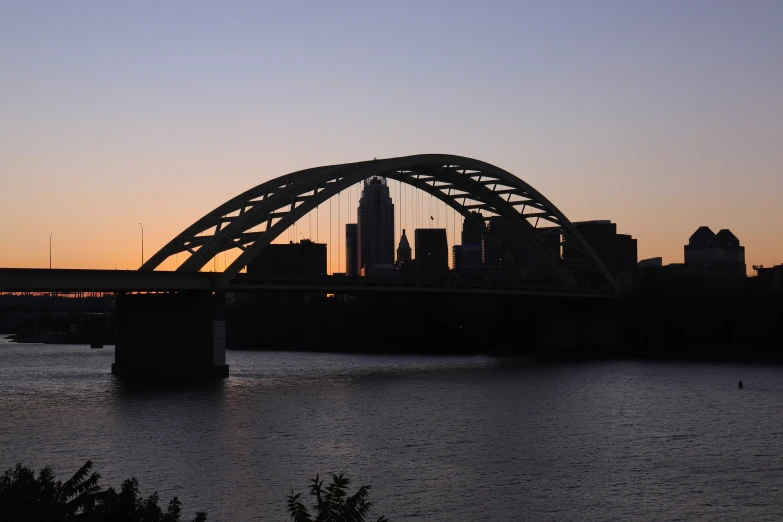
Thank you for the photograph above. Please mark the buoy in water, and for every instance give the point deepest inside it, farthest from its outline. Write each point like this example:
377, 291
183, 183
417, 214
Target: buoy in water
740, 384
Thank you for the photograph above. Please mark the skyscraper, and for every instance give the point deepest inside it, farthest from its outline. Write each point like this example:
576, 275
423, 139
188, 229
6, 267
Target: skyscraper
471, 229
376, 224
618, 252
404, 249
351, 253
432, 252
506, 243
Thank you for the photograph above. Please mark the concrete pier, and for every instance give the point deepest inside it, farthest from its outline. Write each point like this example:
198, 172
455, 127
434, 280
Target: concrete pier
170, 335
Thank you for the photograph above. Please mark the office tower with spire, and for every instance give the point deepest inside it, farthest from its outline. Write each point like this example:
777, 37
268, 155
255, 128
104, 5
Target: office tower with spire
375, 225
404, 249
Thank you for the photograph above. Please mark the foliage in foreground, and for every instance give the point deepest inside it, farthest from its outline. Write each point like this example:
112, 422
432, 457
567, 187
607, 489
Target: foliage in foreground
332, 503
25, 497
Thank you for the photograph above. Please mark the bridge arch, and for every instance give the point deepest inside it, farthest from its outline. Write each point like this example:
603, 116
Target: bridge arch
462, 183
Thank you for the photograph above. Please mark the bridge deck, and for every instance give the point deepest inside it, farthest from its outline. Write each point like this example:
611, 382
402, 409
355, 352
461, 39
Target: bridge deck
60, 280
347, 285
63, 280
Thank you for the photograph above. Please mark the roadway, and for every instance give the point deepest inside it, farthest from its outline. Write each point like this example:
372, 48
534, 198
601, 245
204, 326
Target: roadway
64, 280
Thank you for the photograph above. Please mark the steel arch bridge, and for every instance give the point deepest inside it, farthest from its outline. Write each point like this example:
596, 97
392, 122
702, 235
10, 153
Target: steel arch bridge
466, 185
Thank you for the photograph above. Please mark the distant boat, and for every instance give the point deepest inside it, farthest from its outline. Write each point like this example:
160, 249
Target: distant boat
100, 345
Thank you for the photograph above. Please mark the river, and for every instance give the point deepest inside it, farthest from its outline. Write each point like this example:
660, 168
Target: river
439, 438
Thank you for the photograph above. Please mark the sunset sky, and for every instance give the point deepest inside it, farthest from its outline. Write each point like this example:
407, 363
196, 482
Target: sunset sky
661, 116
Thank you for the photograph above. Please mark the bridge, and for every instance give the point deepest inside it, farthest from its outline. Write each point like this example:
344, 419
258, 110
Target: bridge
251, 221
70, 280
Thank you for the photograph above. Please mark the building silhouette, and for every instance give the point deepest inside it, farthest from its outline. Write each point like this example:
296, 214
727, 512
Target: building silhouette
351, 250
294, 260
653, 262
715, 254
404, 249
618, 252
770, 277
466, 258
376, 225
628, 255
471, 229
505, 241
432, 253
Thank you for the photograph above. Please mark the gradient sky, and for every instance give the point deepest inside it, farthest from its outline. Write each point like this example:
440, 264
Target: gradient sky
662, 116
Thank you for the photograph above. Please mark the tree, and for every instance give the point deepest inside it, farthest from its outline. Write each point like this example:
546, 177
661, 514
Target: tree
25, 497
332, 503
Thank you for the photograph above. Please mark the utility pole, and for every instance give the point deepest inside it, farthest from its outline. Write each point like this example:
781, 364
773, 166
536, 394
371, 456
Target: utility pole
142, 244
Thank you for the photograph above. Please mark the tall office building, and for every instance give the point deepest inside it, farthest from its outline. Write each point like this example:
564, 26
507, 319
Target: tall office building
466, 257
718, 254
504, 240
628, 261
471, 229
376, 225
404, 249
618, 252
351, 252
432, 253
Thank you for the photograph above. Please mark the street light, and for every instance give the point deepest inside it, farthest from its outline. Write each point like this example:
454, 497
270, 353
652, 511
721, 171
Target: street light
50, 249
142, 244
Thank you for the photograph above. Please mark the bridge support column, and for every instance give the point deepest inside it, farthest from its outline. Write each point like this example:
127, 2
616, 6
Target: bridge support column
170, 335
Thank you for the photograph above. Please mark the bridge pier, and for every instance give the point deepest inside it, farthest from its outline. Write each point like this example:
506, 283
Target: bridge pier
170, 335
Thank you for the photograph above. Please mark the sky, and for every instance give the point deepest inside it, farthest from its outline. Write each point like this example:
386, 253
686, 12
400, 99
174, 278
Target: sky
661, 116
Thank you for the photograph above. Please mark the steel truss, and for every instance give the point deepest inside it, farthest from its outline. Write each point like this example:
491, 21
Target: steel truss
466, 185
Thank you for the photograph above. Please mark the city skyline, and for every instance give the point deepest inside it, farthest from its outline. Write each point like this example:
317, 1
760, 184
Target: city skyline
416, 210
460, 260
662, 117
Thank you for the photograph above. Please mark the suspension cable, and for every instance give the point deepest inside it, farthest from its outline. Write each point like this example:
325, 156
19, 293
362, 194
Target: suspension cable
454, 220
402, 210
430, 208
339, 252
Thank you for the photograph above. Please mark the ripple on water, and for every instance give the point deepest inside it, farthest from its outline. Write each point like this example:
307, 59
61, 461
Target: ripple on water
451, 438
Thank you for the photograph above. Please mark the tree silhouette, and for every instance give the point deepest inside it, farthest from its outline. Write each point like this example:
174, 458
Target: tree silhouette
27, 498
333, 504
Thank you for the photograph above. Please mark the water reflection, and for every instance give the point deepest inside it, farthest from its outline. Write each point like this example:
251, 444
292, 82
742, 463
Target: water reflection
439, 438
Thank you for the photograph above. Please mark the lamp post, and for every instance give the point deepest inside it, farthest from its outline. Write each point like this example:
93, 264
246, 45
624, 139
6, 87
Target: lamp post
142, 244
50, 249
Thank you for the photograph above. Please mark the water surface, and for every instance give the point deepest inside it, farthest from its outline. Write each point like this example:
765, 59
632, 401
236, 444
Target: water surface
439, 438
